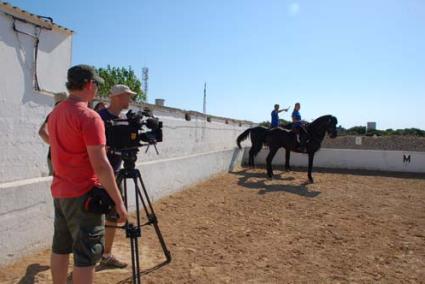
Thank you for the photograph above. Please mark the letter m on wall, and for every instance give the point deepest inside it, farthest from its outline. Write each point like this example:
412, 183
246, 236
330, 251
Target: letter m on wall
406, 159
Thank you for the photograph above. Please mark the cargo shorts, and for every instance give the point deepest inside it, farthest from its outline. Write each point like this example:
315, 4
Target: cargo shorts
78, 232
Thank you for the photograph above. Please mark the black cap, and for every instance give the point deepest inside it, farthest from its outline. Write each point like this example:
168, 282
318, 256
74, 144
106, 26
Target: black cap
83, 73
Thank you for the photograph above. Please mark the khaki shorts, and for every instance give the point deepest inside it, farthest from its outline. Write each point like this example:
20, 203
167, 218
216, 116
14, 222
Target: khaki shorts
77, 231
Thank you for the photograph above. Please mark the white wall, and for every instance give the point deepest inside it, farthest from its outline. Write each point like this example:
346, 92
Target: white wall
192, 150
379, 160
182, 138
26, 207
22, 110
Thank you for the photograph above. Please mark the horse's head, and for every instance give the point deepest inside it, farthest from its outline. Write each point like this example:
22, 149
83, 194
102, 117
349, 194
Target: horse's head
331, 127
325, 124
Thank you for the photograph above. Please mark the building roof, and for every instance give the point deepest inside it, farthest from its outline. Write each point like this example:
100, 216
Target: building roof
44, 22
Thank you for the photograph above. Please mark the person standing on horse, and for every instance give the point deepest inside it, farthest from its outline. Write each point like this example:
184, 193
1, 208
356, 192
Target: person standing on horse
275, 115
298, 127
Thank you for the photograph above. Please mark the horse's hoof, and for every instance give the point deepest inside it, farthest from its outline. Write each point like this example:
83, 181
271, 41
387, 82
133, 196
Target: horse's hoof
288, 169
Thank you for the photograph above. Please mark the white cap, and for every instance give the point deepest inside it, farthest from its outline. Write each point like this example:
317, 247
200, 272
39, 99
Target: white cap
121, 89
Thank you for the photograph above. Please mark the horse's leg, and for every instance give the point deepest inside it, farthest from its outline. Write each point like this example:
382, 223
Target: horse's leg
287, 157
251, 157
256, 150
310, 166
273, 150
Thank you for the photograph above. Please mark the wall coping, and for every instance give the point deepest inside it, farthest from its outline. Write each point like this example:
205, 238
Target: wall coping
28, 17
183, 112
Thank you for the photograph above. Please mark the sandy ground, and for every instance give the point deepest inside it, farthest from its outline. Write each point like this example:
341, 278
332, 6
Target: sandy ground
243, 228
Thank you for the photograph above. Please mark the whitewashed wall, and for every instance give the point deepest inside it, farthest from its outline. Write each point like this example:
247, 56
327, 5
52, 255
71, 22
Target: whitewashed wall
23, 155
182, 138
192, 151
377, 160
25, 206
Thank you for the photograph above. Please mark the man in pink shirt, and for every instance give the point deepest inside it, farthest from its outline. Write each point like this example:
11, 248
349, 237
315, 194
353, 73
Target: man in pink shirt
77, 140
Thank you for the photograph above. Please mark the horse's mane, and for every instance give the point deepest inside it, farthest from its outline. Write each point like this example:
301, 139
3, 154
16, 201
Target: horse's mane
323, 118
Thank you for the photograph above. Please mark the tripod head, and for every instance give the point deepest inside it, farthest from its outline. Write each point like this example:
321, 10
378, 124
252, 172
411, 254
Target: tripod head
129, 157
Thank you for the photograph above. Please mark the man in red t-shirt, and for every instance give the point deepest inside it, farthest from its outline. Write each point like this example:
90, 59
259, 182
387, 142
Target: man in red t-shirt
77, 140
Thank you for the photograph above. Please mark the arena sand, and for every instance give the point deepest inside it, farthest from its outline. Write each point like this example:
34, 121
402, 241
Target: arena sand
243, 228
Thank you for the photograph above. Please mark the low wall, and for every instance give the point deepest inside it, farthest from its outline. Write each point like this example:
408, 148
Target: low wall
26, 210
377, 160
390, 143
193, 149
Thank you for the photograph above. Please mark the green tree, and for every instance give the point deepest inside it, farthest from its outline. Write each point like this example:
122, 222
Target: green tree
120, 75
282, 122
357, 130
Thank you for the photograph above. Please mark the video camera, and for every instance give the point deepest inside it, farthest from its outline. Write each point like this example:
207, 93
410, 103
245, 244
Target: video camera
130, 132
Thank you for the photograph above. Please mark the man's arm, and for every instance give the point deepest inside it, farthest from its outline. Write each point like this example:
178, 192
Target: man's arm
43, 132
103, 170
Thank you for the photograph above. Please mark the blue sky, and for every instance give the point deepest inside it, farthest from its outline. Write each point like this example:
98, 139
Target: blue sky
358, 60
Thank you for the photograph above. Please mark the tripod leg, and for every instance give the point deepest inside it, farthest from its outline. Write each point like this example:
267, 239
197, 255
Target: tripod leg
137, 233
152, 217
136, 187
133, 259
132, 232
137, 258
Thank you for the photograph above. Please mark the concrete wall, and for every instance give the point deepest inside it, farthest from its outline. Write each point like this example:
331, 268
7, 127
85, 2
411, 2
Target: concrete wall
192, 150
23, 155
182, 137
388, 143
26, 207
379, 160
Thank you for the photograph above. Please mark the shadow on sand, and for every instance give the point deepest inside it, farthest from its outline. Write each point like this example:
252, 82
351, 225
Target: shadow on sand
31, 273
245, 180
143, 272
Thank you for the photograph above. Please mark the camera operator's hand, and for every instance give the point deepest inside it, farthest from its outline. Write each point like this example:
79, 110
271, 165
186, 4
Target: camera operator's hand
122, 213
102, 168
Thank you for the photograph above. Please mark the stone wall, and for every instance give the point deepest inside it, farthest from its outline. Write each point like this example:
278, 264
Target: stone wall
390, 143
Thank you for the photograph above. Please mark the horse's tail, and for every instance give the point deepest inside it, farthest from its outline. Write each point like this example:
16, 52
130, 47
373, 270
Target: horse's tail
242, 137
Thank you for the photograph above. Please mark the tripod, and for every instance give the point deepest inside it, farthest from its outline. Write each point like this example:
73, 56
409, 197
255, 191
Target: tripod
133, 231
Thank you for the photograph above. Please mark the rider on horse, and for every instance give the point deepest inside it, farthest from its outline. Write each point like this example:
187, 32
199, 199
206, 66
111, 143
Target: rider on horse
275, 115
298, 126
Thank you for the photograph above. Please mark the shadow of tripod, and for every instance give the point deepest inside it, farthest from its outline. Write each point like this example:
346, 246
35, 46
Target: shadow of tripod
133, 231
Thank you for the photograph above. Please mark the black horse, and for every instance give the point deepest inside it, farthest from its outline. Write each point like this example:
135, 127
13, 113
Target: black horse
258, 137
279, 137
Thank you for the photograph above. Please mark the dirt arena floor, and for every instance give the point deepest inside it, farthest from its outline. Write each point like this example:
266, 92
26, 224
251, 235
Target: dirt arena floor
243, 228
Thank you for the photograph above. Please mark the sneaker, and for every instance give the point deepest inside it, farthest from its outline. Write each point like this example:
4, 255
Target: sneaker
112, 261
